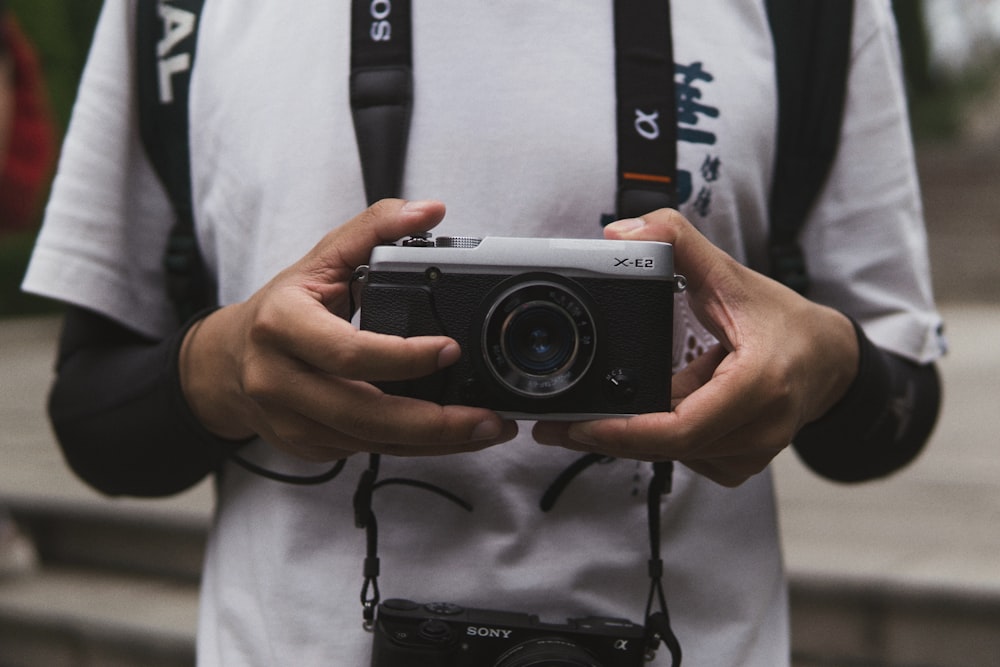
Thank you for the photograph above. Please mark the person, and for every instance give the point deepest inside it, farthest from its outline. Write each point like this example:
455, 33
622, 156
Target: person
26, 157
513, 130
27, 129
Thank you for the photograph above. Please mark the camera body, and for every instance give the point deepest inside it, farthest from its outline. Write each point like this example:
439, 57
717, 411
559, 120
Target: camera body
549, 328
447, 635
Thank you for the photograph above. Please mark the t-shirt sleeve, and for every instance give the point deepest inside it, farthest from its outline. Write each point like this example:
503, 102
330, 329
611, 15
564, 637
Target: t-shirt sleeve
108, 218
865, 242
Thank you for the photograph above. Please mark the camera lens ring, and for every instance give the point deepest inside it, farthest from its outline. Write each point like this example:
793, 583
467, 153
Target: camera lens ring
539, 338
547, 652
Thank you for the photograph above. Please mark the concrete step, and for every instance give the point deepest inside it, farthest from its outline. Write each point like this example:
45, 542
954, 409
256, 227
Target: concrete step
901, 573
115, 587
118, 588
155, 543
852, 623
88, 617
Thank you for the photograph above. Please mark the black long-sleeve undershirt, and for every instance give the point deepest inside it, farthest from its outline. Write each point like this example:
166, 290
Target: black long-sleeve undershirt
882, 422
119, 413
120, 416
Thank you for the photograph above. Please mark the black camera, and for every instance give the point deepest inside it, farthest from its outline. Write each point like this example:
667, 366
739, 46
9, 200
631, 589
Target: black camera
549, 328
409, 634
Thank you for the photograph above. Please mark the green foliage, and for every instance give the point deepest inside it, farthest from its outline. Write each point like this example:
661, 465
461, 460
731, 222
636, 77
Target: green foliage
61, 32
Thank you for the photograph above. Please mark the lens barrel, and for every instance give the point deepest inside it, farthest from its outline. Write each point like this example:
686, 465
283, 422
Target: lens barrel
539, 338
547, 652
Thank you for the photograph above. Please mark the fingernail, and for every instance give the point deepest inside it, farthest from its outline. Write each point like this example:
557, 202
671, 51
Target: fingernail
580, 433
627, 225
417, 206
449, 354
486, 430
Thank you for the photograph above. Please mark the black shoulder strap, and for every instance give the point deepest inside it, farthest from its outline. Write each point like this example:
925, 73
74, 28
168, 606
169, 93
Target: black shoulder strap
166, 37
812, 49
381, 92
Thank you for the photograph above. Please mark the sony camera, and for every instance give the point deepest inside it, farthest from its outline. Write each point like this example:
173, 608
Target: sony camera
409, 634
549, 328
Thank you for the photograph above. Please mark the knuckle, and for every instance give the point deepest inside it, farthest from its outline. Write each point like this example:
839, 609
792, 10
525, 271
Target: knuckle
256, 383
266, 325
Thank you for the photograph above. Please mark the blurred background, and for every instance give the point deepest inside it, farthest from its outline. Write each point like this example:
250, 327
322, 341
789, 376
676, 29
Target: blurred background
900, 573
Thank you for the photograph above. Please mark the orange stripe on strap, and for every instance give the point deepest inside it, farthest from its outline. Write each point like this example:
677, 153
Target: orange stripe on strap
632, 176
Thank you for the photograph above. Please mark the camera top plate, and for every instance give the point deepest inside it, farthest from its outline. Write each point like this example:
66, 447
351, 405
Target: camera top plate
644, 260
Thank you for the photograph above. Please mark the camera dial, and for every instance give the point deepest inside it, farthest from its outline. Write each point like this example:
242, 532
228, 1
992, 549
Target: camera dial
458, 241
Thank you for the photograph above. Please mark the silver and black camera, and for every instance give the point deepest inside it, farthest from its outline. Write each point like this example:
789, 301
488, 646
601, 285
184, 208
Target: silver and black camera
447, 635
549, 328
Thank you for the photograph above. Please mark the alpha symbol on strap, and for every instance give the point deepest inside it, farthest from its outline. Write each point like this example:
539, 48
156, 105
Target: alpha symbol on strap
647, 124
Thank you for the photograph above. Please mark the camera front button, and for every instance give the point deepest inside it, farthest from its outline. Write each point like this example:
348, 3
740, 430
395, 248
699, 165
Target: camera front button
435, 631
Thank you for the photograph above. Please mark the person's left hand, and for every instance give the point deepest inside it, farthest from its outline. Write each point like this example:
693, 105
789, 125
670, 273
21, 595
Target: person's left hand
782, 362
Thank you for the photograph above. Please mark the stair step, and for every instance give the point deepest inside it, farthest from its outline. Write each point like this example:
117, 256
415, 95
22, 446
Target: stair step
85, 617
163, 544
852, 623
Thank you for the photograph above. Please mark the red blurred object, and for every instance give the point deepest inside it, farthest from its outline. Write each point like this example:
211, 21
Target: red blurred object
31, 148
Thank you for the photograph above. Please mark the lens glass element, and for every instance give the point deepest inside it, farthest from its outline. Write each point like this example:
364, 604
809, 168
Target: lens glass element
539, 338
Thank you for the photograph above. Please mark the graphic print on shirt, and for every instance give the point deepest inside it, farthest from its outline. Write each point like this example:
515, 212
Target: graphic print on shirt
689, 84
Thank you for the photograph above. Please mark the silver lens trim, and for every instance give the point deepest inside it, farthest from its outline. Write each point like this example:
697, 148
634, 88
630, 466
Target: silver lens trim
502, 312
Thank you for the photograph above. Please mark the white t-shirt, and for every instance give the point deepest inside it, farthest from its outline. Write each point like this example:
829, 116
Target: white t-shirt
514, 129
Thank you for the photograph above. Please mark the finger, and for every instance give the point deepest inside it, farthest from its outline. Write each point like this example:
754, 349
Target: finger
726, 472
695, 256
314, 441
303, 329
299, 436
358, 415
349, 245
704, 417
696, 374
417, 427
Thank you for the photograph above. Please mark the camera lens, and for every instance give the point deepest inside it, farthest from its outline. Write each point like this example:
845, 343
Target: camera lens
547, 652
539, 338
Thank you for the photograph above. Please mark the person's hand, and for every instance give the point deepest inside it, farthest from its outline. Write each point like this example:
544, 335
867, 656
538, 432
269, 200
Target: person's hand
287, 365
782, 362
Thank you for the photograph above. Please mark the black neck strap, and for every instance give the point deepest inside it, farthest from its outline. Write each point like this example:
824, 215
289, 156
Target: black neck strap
647, 110
381, 92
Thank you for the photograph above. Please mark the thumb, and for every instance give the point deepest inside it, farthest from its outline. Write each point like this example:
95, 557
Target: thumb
386, 221
695, 257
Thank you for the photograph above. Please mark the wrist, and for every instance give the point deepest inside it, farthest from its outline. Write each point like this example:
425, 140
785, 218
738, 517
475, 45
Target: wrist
842, 342
208, 375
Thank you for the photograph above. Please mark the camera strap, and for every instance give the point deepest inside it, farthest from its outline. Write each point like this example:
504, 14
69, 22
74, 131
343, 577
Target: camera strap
381, 94
647, 110
658, 622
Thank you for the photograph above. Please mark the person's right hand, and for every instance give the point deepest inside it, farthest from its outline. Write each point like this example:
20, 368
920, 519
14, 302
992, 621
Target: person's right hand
287, 365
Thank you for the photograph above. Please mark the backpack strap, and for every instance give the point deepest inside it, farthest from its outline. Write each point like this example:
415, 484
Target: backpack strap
167, 35
812, 42
812, 49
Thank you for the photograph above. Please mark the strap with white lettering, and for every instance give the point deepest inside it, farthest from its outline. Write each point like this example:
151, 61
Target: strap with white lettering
381, 89
167, 35
647, 110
